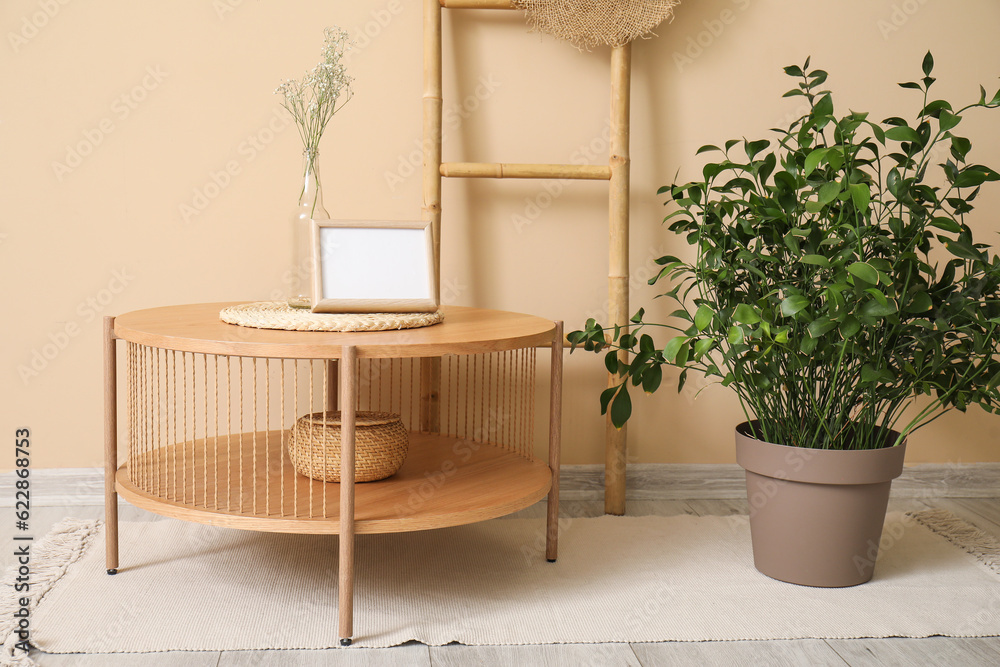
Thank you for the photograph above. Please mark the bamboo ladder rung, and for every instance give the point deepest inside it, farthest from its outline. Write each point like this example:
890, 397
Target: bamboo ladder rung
477, 4
505, 170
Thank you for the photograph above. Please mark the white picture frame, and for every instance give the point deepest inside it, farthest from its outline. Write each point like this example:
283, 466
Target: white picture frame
373, 267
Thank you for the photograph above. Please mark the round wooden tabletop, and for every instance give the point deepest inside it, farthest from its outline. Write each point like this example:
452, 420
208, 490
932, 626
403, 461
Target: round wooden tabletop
197, 328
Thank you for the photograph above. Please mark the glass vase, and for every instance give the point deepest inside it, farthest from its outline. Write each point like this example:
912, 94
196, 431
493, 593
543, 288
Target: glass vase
310, 207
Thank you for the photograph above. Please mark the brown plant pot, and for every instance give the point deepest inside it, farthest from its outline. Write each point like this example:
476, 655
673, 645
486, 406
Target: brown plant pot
816, 515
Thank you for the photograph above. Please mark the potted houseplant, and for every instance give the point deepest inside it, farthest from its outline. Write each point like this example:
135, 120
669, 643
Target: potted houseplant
838, 290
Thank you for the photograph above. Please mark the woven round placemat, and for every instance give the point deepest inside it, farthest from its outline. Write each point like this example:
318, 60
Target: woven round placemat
278, 315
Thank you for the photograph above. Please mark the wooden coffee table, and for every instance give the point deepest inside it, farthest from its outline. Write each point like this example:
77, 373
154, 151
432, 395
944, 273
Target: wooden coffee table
209, 405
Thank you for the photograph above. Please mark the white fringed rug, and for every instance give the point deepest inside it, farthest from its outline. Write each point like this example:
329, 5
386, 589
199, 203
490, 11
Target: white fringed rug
184, 586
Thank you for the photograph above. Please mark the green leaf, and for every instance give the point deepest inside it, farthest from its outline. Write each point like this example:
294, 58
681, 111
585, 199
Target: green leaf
960, 147
828, 192
928, 64
651, 378
703, 346
793, 304
646, 344
878, 132
881, 298
850, 327
817, 77
903, 133
711, 170
920, 302
673, 347
735, 336
745, 314
861, 195
824, 107
793, 70
621, 407
963, 250
821, 326
813, 160
892, 182
611, 362
606, 397
752, 148
818, 260
767, 167
703, 317
876, 309
948, 120
947, 224
864, 271
934, 108
974, 175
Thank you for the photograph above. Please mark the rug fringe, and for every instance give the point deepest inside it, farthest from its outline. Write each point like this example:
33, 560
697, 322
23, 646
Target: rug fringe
961, 533
50, 558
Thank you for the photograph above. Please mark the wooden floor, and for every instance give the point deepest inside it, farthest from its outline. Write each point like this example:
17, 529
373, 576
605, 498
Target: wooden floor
937, 651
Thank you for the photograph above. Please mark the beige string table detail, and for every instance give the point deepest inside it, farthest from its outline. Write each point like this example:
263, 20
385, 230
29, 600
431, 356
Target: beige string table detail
209, 406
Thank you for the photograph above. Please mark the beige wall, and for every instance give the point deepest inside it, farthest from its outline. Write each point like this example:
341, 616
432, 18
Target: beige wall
162, 96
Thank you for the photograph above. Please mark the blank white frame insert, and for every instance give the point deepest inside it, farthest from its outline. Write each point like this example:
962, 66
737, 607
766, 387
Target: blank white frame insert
373, 267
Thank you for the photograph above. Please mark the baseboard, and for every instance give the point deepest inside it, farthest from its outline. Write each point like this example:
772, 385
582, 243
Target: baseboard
646, 481
682, 481
50, 487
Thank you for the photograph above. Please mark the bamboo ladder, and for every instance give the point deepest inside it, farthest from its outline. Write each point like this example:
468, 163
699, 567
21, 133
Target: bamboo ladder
616, 172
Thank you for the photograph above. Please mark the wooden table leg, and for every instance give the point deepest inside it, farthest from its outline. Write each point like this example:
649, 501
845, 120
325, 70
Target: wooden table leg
348, 402
110, 446
430, 395
332, 385
555, 439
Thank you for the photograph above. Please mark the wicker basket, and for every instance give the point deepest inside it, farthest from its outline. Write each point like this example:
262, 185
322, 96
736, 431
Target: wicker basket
380, 444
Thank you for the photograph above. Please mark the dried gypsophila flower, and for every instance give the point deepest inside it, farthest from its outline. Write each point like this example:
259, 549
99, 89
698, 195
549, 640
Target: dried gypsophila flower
322, 92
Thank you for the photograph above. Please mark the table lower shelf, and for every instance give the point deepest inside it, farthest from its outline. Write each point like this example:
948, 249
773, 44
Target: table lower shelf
445, 481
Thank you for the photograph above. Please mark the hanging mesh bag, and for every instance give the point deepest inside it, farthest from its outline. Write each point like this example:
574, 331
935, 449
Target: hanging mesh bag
590, 23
